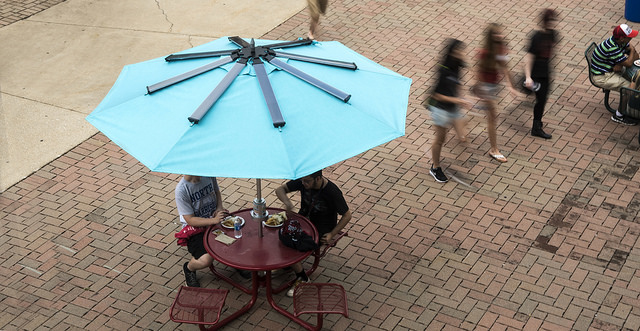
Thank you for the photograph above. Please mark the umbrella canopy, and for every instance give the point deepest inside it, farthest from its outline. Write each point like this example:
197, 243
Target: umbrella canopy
238, 136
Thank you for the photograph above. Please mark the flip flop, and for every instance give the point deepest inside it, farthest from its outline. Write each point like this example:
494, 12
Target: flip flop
498, 157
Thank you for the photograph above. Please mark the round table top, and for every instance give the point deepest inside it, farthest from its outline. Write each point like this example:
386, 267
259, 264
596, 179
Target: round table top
252, 252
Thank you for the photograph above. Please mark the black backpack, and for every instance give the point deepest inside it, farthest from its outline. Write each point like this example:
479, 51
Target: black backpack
292, 236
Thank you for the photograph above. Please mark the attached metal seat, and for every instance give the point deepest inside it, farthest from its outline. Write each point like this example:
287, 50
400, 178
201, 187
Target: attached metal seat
196, 305
320, 298
319, 253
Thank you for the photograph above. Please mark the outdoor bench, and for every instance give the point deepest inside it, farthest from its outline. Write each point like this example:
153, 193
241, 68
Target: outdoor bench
320, 299
630, 104
196, 305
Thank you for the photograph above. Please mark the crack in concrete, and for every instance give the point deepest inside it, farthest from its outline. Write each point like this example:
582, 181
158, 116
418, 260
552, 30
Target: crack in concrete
44, 103
165, 16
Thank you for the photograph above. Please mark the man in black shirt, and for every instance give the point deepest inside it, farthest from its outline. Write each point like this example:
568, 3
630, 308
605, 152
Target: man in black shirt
321, 202
538, 69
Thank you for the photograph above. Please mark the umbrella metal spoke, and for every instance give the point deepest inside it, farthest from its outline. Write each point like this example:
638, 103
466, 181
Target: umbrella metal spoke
217, 92
248, 51
267, 92
198, 55
288, 44
239, 41
311, 59
176, 79
310, 79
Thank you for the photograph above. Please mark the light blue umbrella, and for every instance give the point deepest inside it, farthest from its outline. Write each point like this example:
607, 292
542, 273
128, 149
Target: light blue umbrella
238, 136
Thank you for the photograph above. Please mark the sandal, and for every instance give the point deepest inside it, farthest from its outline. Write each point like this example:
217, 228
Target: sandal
498, 157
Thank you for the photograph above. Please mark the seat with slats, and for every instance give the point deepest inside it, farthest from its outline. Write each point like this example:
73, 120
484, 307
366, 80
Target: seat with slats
320, 298
196, 305
588, 54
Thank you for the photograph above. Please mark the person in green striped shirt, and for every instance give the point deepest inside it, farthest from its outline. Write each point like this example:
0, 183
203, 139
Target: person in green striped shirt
611, 59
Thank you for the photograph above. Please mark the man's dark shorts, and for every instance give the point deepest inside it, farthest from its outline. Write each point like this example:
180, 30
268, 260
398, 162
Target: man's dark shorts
195, 245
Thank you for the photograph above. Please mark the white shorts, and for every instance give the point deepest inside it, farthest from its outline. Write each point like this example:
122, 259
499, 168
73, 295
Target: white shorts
444, 118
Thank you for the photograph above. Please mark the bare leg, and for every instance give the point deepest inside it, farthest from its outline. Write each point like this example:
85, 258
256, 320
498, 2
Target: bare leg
297, 267
459, 125
315, 9
203, 262
492, 117
313, 26
437, 145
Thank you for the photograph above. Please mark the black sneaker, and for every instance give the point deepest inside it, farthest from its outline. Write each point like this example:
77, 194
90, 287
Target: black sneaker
244, 273
622, 120
190, 276
438, 174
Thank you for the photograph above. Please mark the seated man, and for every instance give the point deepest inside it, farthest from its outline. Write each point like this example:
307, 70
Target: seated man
609, 62
321, 202
199, 204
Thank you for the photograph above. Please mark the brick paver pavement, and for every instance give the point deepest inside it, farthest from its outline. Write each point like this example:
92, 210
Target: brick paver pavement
546, 241
12, 11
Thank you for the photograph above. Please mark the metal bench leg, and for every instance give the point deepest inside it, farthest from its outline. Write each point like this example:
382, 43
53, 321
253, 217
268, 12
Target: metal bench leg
319, 323
316, 262
606, 101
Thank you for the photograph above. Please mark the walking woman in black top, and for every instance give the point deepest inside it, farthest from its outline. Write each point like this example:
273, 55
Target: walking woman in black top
444, 103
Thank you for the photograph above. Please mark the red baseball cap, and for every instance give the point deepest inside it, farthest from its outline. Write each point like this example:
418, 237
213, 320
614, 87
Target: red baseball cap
624, 30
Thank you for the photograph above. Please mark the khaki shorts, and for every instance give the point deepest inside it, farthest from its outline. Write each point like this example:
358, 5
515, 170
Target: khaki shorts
317, 7
610, 81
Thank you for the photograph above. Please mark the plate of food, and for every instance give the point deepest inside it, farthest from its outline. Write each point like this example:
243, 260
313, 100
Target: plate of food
229, 220
276, 220
637, 63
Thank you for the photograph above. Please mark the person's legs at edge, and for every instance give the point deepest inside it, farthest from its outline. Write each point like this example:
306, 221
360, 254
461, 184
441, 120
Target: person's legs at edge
538, 109
313, 26
314, 12
301, 277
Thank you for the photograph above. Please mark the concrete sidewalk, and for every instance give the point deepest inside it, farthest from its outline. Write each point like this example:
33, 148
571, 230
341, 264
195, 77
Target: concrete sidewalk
546, 241
61, 62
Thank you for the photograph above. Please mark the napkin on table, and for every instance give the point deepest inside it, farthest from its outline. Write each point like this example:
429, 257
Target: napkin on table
223, 238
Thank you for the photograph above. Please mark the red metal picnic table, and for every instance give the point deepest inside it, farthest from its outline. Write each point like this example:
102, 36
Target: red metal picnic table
257, 254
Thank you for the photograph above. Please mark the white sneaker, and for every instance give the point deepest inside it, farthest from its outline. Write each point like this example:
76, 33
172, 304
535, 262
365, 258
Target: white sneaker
293, 288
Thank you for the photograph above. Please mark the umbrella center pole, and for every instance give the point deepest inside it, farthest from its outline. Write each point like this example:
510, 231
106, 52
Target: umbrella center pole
259, 212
